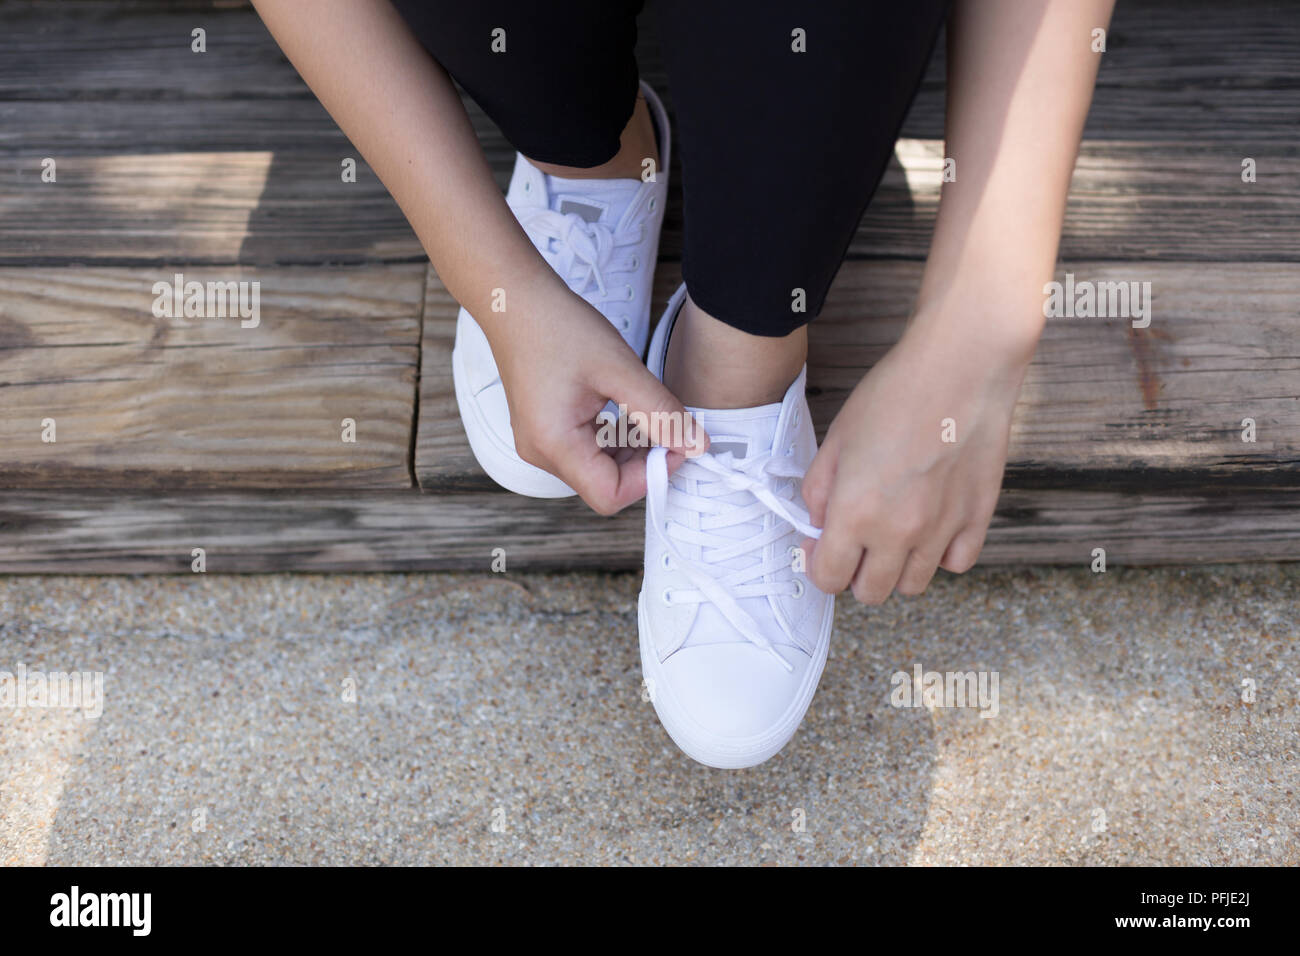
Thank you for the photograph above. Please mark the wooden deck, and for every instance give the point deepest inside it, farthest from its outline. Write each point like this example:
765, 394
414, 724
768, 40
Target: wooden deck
174, 434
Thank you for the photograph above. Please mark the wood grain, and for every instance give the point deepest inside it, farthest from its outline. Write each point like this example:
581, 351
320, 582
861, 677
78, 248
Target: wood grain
252, 208
147, 402
225, 156
1128, 200
33, 129
99, 533
1200, 70
1157, 201
1105, 405
64, 49
1173, 69
175, 434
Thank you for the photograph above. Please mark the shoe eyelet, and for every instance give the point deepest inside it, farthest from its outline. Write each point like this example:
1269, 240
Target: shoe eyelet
798, 588
789, 451
796, 419
651, 205
631, 293
635, 262
528, 187
668, 597
624, 324
666, 562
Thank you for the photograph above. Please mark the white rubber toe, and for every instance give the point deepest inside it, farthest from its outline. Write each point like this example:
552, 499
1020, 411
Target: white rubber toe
730, 728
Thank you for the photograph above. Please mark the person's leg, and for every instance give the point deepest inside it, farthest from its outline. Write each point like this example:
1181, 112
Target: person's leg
563, 89
787, 118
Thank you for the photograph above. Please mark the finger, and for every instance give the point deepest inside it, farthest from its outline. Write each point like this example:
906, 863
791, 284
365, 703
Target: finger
623, 455
606, 485
834, 558
669, 423
816, 487
967, 539
675, 460
964, 549
918, 571
878, 574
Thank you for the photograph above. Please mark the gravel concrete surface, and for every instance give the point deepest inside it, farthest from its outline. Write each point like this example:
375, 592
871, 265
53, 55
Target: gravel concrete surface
1143, 716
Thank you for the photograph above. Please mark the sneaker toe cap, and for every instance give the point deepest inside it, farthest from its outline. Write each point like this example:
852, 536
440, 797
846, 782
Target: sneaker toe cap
735, 694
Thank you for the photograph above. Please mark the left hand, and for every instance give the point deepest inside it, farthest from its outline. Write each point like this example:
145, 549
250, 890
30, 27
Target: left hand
896, 501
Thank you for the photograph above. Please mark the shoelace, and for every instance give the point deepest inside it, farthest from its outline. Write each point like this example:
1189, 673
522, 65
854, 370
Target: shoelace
583, 244
763, 477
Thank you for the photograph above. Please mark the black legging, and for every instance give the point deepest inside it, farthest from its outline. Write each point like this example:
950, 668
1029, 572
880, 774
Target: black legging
780, 150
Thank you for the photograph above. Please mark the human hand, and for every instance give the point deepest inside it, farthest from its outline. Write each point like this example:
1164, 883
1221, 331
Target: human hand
561, 365
898, 489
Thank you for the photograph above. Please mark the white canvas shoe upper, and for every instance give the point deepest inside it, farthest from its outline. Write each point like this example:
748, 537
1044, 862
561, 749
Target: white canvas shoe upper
602, 237
733, 636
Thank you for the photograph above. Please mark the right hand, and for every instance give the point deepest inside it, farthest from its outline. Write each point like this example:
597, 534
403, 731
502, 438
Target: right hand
560, 364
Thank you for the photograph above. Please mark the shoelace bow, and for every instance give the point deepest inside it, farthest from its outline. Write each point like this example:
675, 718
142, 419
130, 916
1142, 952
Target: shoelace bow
582, 243
762, 476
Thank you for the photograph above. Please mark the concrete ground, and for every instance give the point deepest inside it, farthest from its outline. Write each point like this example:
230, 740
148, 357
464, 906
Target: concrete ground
498, 718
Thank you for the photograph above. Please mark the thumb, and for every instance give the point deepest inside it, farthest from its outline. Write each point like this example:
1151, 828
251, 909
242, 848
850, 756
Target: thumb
816, 486
655, 410
816, 489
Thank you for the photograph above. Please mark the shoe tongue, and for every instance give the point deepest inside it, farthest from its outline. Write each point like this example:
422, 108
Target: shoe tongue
744, 432
595, 200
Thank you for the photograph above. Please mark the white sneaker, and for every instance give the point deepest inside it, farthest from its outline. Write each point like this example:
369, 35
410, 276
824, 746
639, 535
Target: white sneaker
602, 237
733, 639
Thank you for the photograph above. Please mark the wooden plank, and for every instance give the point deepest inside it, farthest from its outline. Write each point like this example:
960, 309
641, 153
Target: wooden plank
101, 533
150, 402
443, 460
33, 129
64, 49
255, 208
1200, 70
225, 157
1174, 69
1104, 406
1128, 201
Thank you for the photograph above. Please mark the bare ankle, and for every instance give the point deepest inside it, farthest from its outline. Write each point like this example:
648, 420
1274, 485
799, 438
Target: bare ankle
712, 365
637, 144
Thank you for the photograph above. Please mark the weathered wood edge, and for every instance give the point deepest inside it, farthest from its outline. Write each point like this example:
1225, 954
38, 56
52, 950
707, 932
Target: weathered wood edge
392, 531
